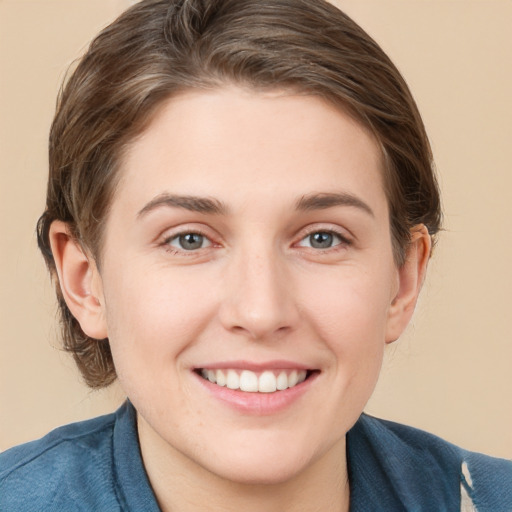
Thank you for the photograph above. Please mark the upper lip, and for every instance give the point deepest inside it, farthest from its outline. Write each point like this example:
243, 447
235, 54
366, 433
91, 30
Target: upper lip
255, 366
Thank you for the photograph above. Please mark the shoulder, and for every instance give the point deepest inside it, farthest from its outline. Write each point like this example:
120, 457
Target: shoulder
419, 443
422, 467
488, 481
58, 471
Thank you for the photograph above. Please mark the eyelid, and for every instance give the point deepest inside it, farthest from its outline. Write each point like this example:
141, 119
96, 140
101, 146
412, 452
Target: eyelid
171, 234
336, 239
176, 237
345, 237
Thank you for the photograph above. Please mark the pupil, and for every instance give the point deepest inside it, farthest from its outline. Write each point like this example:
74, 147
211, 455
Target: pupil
321, 240
191, 241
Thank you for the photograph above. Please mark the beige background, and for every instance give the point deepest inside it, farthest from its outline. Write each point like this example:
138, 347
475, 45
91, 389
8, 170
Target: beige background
452, 373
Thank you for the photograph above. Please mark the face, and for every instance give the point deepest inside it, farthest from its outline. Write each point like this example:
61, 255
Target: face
247, 280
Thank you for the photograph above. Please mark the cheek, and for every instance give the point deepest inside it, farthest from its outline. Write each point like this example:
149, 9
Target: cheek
152, 316
349, 314
352, 305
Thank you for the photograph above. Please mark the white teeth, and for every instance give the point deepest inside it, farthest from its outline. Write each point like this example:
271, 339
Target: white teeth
282, 381
232, 380
267, 382
247, 381
221, 378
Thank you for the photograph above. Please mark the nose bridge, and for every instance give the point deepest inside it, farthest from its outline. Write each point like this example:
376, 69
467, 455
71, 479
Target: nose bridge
259, 300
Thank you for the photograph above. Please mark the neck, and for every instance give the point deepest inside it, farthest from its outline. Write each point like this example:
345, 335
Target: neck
181, 484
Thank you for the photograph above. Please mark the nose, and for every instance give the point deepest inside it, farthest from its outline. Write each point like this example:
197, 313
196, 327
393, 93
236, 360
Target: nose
258, 299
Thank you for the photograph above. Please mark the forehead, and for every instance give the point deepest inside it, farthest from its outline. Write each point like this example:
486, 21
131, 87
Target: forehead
272, 144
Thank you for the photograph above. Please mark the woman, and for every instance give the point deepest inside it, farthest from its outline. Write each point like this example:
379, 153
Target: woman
240, 212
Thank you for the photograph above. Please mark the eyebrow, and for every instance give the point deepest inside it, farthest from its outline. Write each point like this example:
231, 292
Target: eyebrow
328, 200
191, 203
209, 205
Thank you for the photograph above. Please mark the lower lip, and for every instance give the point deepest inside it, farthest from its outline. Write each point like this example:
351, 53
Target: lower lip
259, 404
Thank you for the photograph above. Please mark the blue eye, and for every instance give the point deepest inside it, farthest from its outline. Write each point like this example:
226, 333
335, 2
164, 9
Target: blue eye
321, 240
189, 241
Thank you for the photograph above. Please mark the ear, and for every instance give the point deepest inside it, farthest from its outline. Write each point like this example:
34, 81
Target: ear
79, 280
410, 279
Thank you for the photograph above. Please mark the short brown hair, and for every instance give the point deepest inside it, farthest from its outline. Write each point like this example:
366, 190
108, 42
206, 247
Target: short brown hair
161, 47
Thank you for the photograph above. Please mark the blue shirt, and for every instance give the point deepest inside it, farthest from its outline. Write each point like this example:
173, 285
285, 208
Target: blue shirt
96, 465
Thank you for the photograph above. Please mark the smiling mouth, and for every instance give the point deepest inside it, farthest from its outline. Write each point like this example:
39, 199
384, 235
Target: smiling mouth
268, 381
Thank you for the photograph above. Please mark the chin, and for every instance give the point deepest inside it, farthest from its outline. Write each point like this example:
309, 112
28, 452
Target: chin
269, 472
262, 464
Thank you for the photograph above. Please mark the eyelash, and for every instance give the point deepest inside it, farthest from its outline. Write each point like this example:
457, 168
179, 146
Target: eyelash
343, 243
166, 243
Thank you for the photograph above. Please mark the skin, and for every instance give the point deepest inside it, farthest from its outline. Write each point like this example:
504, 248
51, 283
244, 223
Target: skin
256, 290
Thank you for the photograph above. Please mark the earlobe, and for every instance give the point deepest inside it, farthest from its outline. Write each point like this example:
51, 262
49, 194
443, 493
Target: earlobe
79, 280
410, 280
